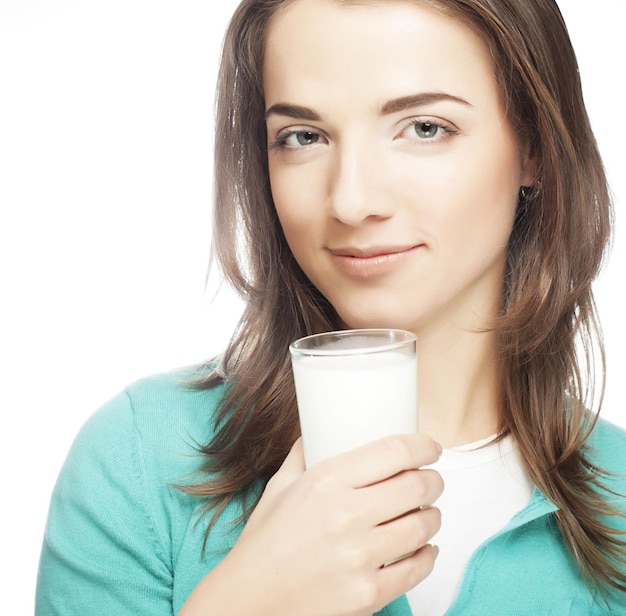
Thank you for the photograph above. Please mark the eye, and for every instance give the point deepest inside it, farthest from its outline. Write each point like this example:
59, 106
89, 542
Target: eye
303, 137
297, 139
427, 130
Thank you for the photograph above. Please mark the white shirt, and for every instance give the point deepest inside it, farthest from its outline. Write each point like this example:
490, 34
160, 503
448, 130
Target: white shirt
484, 489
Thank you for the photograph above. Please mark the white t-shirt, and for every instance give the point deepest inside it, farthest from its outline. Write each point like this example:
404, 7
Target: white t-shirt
484, 489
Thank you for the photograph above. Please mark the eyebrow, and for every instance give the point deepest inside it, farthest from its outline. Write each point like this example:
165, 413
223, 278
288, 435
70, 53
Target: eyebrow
393, 106
417, 100
293, 111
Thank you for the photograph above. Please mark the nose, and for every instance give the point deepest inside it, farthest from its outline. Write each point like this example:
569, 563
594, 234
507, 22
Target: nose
358, 189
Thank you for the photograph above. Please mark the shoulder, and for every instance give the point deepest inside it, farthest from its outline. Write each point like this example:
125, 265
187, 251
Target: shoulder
607, 446
162, 418
115, 518
606, 450
171, 404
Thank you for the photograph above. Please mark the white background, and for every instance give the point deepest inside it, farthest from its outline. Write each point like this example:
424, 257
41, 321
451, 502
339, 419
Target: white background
105, 190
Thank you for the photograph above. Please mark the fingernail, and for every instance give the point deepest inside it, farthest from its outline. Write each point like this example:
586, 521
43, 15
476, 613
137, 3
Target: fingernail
435, 551
439, 448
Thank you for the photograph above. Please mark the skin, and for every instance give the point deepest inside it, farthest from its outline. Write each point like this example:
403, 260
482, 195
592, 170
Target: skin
397, 227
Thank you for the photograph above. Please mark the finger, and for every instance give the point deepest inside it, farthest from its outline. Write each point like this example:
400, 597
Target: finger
404, 536
382, 459
401, 493
290, 470
398, 578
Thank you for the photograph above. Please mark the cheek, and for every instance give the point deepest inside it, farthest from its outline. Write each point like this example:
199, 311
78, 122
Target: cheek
477, 195
293, 207
500, 190
297, 204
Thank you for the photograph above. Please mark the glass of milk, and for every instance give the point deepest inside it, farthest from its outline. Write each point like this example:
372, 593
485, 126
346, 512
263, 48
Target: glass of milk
353, 387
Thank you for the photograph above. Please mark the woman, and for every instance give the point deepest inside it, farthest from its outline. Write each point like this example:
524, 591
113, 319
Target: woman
421, 164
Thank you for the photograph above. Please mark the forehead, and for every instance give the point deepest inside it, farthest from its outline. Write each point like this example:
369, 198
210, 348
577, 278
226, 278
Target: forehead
373, 45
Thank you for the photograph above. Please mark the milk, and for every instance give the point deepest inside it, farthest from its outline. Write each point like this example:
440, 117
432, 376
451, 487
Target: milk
345, 401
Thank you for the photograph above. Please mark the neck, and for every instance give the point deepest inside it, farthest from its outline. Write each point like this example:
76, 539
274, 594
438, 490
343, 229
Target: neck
457, 386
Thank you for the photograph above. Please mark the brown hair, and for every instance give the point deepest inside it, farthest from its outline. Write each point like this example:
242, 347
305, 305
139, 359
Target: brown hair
547, 330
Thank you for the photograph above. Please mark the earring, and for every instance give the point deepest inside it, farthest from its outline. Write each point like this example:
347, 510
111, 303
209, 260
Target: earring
524, 193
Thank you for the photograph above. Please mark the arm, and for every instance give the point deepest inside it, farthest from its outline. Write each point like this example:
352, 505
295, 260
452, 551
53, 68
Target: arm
101, 553
318, 539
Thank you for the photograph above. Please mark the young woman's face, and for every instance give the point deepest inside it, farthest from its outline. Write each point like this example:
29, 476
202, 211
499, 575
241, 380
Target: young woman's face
394, 171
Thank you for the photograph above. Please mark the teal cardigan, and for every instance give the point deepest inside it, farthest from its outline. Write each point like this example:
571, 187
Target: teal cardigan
121, 541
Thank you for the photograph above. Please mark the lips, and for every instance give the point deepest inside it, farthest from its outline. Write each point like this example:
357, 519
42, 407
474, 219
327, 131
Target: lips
371, 261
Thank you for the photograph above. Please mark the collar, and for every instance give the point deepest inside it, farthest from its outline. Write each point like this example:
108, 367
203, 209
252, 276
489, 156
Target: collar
538, 506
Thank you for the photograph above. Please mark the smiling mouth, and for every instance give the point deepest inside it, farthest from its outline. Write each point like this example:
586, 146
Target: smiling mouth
375, 261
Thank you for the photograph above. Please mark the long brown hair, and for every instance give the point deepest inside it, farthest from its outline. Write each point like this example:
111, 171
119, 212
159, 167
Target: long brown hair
549, 338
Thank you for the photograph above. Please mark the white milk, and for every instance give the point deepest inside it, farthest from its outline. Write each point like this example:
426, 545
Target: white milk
347, 401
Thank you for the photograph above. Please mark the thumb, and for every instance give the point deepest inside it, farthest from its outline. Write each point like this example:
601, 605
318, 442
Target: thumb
290, 470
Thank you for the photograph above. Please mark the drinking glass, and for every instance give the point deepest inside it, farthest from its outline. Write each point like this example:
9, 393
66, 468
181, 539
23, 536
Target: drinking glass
353, 387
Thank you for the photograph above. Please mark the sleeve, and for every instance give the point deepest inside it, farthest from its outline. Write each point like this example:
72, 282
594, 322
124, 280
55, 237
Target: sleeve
102, 554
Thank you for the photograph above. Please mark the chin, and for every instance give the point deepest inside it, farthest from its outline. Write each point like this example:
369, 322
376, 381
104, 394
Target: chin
374, 320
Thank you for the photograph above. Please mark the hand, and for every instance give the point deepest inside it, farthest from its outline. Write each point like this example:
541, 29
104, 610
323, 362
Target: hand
318, 540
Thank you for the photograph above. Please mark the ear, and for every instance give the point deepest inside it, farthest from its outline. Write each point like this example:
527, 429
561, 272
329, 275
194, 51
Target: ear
529, 167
